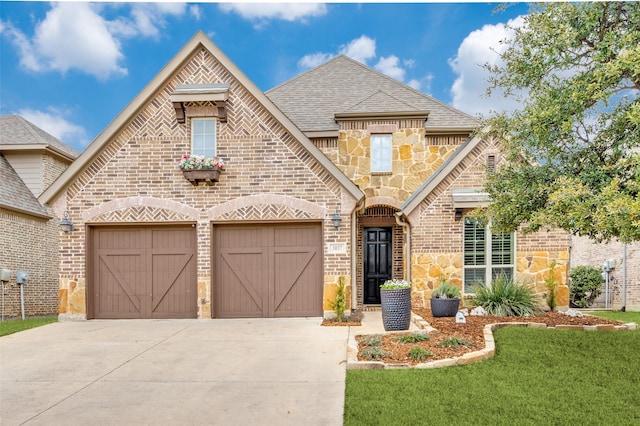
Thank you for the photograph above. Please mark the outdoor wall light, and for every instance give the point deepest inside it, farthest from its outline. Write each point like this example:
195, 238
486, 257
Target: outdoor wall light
65, 223
336, 219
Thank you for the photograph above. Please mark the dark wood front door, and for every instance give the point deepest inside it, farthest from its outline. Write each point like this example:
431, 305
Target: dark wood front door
377, 262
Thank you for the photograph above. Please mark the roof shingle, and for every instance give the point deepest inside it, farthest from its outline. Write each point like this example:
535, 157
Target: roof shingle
16, 131
14, 194
342, 85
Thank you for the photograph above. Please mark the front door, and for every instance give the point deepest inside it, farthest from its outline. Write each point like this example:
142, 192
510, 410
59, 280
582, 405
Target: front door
377, 262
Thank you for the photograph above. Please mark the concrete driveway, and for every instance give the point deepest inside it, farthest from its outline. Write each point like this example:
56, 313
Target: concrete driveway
174, 372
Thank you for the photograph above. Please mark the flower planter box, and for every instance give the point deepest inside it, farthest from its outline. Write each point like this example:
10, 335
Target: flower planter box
444, 307
396, 309
208, 176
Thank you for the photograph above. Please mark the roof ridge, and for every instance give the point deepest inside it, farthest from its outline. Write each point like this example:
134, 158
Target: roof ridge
375, 93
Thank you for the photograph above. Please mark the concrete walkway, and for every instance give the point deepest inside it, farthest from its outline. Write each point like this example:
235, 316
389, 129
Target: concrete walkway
174, 372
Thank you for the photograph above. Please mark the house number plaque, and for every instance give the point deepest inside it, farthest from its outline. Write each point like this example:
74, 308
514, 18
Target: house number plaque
337, 248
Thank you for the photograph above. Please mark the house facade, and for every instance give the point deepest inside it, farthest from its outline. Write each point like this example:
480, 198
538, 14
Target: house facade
340, 172
30, 160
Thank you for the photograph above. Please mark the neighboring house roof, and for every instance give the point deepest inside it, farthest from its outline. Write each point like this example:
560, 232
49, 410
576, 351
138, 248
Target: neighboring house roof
14, 194
199, 40
344, 85
18, 133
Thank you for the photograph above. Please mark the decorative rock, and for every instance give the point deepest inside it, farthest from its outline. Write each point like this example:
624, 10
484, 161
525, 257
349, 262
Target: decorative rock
460, 319
572, 313
478, 312
464, 312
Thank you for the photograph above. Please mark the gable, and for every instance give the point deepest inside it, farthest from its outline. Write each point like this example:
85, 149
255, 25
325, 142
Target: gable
151, 117
14, 194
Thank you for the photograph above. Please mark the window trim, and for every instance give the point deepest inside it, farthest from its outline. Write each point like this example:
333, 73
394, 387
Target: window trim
215, 135
388, 160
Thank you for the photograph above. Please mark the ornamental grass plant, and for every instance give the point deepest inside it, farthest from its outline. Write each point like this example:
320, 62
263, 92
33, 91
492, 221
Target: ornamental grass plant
506, 297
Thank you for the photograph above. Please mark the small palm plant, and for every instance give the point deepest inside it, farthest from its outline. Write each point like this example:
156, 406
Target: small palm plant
506, 297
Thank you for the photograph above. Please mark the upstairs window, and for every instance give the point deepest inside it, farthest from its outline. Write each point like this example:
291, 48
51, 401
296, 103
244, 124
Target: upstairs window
486, 255
381, 153
203, 136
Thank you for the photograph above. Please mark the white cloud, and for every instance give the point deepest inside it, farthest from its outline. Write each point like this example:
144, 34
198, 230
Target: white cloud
389, 66
148, 19
75, 36
360, 49
284, 11
312, 60
478, 48
195, 11
423, 84
53, 121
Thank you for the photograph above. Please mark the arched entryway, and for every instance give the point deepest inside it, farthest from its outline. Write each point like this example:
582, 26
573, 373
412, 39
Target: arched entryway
380, 242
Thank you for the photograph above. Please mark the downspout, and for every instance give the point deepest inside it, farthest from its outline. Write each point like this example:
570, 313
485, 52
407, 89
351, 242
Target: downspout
624, 277
406, 229
354, 258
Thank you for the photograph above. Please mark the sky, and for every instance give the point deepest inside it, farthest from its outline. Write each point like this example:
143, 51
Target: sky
71, 67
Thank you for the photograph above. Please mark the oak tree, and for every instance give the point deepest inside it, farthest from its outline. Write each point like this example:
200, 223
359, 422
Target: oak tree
572, 150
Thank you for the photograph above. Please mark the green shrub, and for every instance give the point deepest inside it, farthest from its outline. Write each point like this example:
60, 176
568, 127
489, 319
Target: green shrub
454, 342
419, 354
551, 284
371, 340
446, 291
584, 285
412, 338
340, 304
506, 297
373, 353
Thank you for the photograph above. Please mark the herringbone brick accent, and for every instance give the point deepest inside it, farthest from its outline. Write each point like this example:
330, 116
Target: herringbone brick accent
265, 212
141, 214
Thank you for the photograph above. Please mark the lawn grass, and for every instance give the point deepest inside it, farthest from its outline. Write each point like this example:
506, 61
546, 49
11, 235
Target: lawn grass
538, 377
629, 316
14, 326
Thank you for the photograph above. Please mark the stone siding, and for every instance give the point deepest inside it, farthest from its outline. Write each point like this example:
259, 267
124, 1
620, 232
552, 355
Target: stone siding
413, 160
269, 176
586, 252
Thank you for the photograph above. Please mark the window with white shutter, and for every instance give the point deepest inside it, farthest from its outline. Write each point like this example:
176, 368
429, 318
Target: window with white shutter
485, 255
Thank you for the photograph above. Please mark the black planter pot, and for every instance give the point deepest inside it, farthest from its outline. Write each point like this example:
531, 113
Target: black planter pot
444, 307
396, 309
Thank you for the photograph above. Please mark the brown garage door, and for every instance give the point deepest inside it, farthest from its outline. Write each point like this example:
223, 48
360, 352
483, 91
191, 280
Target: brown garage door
144, 272
268, 271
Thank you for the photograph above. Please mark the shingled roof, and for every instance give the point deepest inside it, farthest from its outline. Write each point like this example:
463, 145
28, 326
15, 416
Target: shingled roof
18, 133
14, 194
343, 85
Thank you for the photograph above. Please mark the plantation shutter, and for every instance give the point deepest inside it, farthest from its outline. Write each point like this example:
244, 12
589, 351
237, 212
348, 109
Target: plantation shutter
502, 255
474, 254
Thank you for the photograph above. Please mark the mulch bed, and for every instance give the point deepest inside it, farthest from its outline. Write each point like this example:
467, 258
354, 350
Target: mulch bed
353, 320
472, 331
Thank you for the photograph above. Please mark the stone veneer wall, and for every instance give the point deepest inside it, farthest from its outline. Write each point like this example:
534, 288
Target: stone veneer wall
137, 177
437, 238
586, 252
413, 158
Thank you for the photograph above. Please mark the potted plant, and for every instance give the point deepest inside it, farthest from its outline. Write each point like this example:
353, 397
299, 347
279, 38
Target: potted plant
445, 300
395, 297
197, 168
